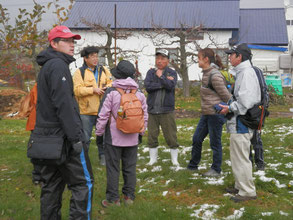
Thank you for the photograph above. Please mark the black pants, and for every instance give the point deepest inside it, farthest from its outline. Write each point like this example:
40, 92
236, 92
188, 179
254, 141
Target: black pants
76, 172
258, 149
128, 156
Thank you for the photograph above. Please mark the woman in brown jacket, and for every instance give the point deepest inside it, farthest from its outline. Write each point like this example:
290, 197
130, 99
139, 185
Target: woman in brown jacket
210, 122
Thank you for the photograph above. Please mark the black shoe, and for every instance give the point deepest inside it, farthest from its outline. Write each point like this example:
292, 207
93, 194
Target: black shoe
232, 190
260, 166
193, 169
237, 198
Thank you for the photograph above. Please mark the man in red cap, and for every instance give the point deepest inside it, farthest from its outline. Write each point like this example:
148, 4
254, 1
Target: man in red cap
58, 116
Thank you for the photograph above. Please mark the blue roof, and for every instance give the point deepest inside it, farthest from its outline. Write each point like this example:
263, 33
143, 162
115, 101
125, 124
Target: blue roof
212, 14
263, 26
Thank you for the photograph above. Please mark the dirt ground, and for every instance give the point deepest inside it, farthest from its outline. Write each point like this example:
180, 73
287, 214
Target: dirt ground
10, 100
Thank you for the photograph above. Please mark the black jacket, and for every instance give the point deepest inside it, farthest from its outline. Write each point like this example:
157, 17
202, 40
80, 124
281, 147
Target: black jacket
163, 87
56, 104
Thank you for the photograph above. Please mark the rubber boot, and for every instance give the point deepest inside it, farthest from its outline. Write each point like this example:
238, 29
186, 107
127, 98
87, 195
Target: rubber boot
153, 156
174, 156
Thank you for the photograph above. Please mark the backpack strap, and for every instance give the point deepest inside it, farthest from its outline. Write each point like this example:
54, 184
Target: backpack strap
210, 85
82, 70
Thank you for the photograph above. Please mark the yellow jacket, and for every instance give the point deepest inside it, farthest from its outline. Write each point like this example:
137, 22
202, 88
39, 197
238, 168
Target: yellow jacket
88, 101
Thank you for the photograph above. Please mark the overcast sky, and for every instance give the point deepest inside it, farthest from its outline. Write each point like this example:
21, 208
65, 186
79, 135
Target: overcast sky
48, 18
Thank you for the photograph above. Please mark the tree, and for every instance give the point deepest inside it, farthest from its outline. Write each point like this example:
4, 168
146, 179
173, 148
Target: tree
25, 39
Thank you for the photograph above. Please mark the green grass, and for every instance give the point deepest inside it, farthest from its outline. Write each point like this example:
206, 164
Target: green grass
184, 192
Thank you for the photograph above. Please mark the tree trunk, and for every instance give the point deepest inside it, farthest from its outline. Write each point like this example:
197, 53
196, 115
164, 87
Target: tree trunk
183, 65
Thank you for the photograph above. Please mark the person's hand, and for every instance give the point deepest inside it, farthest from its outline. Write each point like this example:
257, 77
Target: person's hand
159, 73
225, 109
170, 77
77, 147
98, 91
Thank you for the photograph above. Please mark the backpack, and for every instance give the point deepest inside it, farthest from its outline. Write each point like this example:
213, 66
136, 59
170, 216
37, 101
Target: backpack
255, 116
129, 118
82, 70
228, 78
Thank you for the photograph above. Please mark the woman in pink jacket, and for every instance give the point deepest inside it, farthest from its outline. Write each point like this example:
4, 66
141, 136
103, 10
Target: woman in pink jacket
119, 145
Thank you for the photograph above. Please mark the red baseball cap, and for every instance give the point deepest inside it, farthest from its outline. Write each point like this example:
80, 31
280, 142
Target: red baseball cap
62, 32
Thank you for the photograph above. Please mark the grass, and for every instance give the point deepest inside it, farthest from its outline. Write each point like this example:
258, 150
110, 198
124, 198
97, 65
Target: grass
162, 191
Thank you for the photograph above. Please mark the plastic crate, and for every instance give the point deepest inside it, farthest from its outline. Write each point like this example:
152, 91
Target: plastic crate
276, 82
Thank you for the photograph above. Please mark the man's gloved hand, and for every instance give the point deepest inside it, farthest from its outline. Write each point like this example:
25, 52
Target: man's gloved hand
219, 108
77, 147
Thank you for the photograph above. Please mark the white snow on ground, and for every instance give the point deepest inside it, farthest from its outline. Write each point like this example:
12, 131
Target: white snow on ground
263, 178
274, 165
142, 190
266, 213
283, 213
228, 162
236, 215
142, 170
289, 165
165, 193
156, 169
205, 211
215, 181
177, 168
185, 150
286, 154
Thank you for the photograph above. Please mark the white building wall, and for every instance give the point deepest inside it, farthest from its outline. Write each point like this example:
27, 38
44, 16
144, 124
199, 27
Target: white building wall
146, 48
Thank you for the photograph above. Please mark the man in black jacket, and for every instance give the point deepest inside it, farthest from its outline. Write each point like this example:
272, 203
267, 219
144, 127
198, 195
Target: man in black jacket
58, 115
160, 84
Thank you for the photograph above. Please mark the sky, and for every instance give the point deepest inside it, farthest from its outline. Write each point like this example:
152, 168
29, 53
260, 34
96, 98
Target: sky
48, 18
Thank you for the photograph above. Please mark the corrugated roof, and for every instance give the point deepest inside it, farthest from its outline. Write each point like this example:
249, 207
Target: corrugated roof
263, 26
212, 14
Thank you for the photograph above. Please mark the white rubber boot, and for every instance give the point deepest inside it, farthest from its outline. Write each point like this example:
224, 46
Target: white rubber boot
174, 156
153, 156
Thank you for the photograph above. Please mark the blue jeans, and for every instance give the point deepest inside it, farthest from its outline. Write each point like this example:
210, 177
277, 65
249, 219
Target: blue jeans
212, 125
88, 122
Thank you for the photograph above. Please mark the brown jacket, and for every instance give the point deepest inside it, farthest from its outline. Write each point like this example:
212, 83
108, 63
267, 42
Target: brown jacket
209, 97
31, 121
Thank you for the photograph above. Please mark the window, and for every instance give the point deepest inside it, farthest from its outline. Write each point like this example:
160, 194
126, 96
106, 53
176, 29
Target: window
194, 34
102, 56
288, 22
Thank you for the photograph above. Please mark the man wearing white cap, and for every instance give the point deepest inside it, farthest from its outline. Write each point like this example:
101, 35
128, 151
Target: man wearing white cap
58, 116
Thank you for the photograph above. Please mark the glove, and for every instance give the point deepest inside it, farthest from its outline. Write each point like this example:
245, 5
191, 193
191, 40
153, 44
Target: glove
77, 147
218, 108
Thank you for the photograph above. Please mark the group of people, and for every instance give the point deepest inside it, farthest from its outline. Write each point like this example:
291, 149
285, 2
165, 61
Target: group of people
71, 106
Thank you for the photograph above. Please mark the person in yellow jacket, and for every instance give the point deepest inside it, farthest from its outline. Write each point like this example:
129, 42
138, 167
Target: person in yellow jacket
90, 82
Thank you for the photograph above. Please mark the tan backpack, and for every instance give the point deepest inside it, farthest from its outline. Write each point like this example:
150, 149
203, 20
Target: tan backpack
130, 118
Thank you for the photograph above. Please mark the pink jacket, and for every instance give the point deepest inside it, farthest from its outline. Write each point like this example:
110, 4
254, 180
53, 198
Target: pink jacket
111, 103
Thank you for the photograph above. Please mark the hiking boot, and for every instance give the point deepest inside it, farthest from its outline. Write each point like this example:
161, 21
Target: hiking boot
128, 200
232, 190
237, 198
193, 169
106, 203
102, 160
211, 173
260, 166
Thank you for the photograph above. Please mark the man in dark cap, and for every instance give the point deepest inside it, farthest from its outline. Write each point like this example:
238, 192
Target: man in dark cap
120, 146
90, 82
160, 84
58, 117
247, 93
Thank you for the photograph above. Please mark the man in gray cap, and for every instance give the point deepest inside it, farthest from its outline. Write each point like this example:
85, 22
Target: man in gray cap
160, 84
247, 93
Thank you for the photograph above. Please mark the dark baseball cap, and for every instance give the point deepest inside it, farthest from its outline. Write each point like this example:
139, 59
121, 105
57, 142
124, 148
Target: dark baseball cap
163, 52
242, 49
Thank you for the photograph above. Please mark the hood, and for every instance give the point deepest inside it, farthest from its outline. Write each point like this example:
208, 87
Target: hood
50, 53
127, 83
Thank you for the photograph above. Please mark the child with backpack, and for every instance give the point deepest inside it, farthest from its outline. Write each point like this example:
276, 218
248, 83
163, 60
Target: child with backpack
123, 118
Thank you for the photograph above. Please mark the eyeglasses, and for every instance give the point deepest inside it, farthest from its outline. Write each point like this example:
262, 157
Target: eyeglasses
68, 40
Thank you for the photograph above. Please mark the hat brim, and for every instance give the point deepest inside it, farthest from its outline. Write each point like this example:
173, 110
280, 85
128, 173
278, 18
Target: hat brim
115, 73
230, 51
158, 53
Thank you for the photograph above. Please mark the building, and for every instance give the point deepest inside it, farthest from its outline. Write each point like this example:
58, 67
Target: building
260, 23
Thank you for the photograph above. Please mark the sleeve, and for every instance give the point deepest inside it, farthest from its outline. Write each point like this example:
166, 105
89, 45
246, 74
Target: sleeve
149, 83
145, 112
167, 83
60, 84
104, 114
79, 87
219, 84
